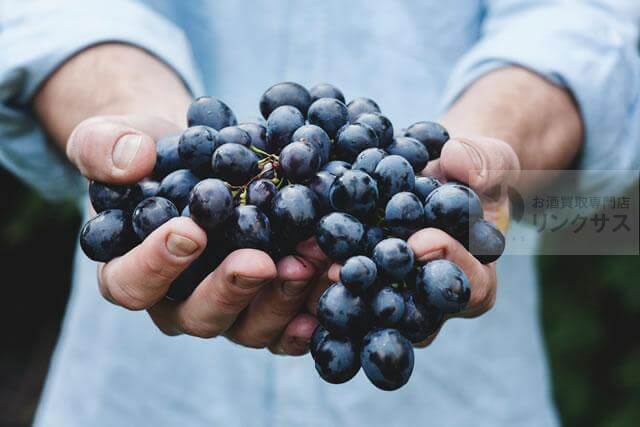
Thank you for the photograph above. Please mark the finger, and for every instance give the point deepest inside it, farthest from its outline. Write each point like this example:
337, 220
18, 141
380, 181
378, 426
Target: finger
221, 297
116, 149
334, 272
430, 243
483, 163
296, 337
310, 250
320, 284
142, 276
274, 307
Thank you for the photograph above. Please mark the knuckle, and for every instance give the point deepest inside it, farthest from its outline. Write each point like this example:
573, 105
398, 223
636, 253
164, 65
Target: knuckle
197, 328
162, 268
124, 296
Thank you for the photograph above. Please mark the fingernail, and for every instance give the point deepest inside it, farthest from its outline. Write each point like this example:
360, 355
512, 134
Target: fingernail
181, 246
248, 282
125, 150
294, 288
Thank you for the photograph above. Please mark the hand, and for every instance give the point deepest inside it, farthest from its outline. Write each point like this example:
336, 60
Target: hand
247, 298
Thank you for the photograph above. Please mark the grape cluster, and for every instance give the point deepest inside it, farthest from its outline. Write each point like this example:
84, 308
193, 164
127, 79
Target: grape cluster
314, 167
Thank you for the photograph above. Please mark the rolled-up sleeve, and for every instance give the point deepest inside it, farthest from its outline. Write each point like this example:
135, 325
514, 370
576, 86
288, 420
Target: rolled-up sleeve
36, 37
589, 47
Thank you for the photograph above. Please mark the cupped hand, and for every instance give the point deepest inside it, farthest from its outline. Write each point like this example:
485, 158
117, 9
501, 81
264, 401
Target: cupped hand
247, 298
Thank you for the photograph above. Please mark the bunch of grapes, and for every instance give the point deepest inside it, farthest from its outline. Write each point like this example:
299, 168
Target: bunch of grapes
315, 167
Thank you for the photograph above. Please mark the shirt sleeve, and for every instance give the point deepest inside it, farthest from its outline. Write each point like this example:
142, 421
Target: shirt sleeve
588, 47
38, 36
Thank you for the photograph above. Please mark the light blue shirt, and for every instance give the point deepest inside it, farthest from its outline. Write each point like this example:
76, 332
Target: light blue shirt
112, 367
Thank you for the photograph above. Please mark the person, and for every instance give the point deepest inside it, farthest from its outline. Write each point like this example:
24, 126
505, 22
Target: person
519, 84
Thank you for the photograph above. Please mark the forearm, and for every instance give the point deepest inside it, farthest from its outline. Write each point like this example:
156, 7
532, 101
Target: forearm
109, 79
538, 119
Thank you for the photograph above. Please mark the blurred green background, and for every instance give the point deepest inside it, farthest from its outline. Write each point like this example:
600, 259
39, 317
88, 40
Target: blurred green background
590, 309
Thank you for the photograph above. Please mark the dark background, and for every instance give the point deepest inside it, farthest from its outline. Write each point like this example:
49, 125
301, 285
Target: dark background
590, 309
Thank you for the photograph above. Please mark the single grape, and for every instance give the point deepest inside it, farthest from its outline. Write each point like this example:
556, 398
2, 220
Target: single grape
418, 321
326, 90
210, 203
372, 236
355, 192
107, 235
368, 159
412, 150
424, 186
404, 214
234, 163
176, 187
342, 313
387, 358
281, 94
486, 242
360, 106
150, 214
294, 212
328, 113
387, 307
167, 158
260, 193
432, 135
195, 148
299, 161
380, 124
394, 174
210, 111
234, 135
358, 274
281, 125
452, 208
148, 188
316, 136
258, 134
394, 258
337, 360
321, 184
443, 285
336, 167
249, 227
352, 139
340, 235
109, 196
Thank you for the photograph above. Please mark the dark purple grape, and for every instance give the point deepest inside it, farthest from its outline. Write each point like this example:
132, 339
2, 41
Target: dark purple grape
234, 135
352, 139
260, 193
211, 203
394, 174
336, 167
176, 187
167, 158
342, 313
326, 90
195, 148
110, 196
358, 274
412, 150
404, 214
249, 227
340, 236
443, 285
148, 188
150, 214
418, 321
316, 136
328, 113
360, 106
368, 159
452, 208
432, 135
286, 93
394, 258
299, 161
210, 111
107, 235
294, 212
387, 358
486, 242
258, 134
424, 186
355, 192
234, 163
337, 360
380, 124
281, 125
387, 307
321, 184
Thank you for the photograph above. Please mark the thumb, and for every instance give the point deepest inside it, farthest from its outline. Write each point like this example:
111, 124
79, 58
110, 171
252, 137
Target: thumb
484, 163
116, 149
